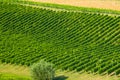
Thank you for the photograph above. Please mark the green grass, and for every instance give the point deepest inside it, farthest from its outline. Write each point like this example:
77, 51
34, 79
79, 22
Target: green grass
60, 76
74, 41
14, 69
14, 72
17, 72
9, 76
73, 8
65, 7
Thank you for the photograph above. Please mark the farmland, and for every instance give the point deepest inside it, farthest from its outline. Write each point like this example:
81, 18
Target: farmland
103, 4
17, 72
74, 41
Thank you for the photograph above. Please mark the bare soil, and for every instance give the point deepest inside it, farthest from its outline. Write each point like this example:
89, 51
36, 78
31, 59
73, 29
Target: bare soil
105, 4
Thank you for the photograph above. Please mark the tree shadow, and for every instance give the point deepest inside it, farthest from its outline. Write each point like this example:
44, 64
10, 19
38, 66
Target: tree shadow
61, 78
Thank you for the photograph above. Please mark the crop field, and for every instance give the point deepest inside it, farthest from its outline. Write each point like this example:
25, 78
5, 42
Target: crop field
103, 4
74, 41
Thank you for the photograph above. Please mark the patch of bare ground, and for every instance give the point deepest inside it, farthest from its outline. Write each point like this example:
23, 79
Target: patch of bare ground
102, 4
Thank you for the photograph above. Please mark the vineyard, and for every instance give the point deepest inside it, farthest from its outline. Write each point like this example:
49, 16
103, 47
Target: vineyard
74, 41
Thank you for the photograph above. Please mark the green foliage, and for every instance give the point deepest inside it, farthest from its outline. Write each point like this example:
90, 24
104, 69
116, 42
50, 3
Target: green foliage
8, 76
71, 40
65, 7
42, 71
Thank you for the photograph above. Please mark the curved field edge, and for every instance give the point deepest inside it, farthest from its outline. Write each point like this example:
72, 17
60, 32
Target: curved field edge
100, 4
64, 7
18, 72
46, 48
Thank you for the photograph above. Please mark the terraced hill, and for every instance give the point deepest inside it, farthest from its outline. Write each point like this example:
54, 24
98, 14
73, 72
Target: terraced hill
77, 41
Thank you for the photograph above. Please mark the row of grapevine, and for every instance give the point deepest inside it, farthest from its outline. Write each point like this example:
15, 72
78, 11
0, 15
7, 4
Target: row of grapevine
71, 40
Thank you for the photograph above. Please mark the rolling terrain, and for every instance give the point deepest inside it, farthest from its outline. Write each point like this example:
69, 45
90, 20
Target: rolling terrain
73, 41
17, 72
101, 4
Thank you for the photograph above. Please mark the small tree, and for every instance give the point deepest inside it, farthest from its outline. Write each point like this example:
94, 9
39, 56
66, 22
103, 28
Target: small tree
42, 71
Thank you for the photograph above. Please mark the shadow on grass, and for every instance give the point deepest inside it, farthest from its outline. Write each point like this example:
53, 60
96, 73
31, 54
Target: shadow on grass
61, 78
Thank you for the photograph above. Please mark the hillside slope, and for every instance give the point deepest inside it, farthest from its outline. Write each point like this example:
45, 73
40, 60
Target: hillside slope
17, 72
103, 4
71, 40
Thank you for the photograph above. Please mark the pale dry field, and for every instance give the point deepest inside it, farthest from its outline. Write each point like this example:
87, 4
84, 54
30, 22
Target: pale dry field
103, 4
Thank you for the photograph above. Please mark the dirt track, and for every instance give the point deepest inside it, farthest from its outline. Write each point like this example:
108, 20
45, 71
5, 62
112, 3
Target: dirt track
105, 4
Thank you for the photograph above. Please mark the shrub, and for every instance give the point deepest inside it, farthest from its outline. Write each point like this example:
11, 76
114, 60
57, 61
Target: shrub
42, 71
